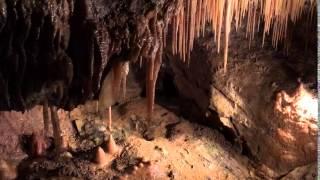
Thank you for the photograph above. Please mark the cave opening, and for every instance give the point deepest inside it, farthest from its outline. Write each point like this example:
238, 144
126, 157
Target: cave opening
169, 89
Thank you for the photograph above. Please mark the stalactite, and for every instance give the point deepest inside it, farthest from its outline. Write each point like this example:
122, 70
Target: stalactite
125, 72
57, 132
189, 22
193, 14
221, 13
117, 77
156, 68
45, 118
174, 35
110, 89
227, 32
150, 87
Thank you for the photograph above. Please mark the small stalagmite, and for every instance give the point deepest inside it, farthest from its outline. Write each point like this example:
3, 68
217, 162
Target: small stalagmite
111, 146
101, 158
38, 145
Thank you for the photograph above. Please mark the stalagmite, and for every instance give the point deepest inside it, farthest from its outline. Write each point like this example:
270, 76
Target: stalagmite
38, 145
111, 146
101, 158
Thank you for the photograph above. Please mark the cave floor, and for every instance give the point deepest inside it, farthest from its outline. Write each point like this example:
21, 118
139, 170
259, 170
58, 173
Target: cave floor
167, 147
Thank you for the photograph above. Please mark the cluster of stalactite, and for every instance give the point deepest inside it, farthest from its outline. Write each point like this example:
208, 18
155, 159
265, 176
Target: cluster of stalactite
65, 52
150, 37
273, 15
60, 51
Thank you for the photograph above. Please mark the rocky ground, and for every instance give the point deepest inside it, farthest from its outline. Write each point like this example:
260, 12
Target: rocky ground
168, 147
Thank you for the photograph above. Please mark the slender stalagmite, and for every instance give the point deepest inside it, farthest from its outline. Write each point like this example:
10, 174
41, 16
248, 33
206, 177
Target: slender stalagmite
111, 146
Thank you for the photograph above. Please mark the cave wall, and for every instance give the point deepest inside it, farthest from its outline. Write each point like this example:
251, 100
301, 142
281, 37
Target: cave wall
61, 50
241, 102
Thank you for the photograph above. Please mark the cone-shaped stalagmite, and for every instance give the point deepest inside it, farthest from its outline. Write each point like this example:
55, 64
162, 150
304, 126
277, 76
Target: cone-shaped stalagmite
38, 145
101, 158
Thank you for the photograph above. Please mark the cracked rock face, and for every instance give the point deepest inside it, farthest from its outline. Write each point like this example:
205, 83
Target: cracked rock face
62, 50
244, 100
